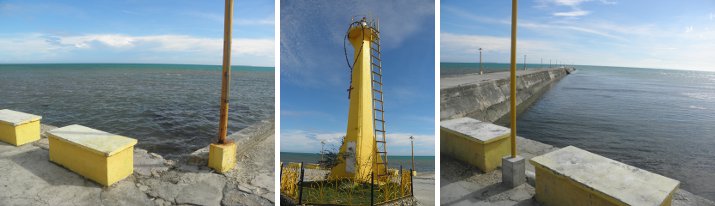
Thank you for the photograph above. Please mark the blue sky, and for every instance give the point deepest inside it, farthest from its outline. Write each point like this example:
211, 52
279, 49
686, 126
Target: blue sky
634, 33
315, 76
134, 31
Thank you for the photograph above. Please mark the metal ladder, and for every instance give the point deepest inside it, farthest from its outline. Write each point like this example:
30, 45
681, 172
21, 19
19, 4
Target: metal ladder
377, 99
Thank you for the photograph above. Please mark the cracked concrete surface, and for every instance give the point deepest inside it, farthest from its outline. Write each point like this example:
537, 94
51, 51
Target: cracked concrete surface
463, 184
29, 178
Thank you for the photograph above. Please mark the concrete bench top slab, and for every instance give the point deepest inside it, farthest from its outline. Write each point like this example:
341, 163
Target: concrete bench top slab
95, 140
614, 179
16, 118
477, 130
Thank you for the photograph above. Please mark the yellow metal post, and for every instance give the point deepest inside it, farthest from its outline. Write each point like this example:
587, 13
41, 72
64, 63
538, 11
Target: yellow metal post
227, 28
222, 155
359, 148
513, 78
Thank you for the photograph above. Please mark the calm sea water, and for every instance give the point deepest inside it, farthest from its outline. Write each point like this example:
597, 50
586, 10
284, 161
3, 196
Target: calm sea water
659, 120
422, 163
171, 109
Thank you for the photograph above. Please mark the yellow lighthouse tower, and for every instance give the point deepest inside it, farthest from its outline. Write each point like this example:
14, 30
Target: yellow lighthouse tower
364, 148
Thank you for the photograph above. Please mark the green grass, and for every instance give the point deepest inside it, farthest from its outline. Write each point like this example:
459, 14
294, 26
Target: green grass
345, 192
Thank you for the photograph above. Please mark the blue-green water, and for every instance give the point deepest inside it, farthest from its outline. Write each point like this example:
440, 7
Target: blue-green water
422, 163
659, 120
171, 109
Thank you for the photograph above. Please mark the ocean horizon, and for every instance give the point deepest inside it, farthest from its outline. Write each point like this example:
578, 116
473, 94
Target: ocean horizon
422, 163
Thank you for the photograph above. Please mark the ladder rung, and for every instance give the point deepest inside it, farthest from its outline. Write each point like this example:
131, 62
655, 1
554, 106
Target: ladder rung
381, 152
378, 100
379, 110
380, 130
377, 91
378, 58
373, 48
380, 141
379, 120
377, 82
378, 66
378, 74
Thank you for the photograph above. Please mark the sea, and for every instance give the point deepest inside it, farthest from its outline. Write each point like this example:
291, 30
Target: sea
172, 110
422, 163
659, 120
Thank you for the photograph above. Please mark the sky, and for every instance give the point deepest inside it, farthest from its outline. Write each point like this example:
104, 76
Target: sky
633, 33
134, 31
315, 76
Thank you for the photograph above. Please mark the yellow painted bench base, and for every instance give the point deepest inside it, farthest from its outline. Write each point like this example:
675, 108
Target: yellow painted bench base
484, 155
572, 176
222, 157
21, 134
99, 168
556, 190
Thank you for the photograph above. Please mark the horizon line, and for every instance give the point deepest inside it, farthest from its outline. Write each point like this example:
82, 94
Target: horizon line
137, 63
630, 67
387, 155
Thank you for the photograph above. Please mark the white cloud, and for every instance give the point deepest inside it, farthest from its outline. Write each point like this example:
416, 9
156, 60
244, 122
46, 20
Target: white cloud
309, 142
569, 2
574, 13
36, 46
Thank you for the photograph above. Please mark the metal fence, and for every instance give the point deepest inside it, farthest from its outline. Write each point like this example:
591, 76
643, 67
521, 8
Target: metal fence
345, 191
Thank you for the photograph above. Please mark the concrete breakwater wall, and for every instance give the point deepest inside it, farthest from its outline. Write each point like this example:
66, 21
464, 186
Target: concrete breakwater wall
486, 97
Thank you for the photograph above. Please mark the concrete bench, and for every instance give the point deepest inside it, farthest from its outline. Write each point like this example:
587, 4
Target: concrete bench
477, 143
100, 156
19, 128
572, 176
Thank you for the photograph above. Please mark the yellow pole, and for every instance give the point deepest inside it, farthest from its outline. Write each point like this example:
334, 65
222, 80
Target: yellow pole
227, 27
513, 78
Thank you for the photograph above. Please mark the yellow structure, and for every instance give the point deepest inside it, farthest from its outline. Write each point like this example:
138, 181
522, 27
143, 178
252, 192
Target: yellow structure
359, 150
19, 128
572, 176
477, 143
100, 156
222, 157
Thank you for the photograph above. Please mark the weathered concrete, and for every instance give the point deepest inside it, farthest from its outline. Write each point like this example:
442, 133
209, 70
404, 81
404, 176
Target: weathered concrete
486, 97
513, 171
29, 178
572, 175
479, 143
462, 184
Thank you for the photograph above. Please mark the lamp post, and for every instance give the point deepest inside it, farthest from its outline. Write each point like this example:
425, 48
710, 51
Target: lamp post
513, 167
322, 149
412, 142
481, 69
222, 155
513, 78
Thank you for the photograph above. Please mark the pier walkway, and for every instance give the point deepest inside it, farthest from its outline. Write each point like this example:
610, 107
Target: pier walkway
462, 184
29, 178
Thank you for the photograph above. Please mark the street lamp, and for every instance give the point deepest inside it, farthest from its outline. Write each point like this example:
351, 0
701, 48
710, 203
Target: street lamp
412, 141
481, 70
